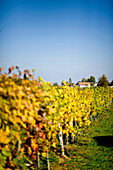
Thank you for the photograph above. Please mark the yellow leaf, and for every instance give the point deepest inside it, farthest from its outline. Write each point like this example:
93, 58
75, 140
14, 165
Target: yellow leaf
14, 112
44, 154
49, 135
23, 124
30, 119
60, 128
29, 151
24, 118
7, 130
64, 131
17, 120
85, 118
54, 144
22, 150
18, 137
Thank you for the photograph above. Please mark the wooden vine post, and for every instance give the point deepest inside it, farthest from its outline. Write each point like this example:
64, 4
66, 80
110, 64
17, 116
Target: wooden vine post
60, 135
48, 165
38, 162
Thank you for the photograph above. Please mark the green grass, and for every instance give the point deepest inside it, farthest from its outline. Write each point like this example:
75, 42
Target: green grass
92, 150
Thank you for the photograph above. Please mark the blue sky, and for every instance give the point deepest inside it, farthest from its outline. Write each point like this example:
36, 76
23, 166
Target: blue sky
59, 38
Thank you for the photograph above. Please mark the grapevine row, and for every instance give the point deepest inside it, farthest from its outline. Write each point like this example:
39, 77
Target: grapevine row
36, 116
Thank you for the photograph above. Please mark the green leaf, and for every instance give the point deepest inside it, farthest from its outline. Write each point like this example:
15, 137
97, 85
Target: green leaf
6, 153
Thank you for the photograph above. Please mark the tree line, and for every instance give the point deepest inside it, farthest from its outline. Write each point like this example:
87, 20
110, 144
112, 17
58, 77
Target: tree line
102, 81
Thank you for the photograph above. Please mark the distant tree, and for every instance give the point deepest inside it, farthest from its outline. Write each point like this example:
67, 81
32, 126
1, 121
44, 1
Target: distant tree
91, 79
70, 82
84, 80
92, 84
103, 81
111, 84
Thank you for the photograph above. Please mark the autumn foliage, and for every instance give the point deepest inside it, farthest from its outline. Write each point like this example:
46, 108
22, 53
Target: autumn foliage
31, 110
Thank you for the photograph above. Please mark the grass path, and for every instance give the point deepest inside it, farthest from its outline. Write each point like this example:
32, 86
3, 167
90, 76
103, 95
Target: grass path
92, 150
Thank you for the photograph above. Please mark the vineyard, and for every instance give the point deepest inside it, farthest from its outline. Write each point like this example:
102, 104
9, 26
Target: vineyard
37, 117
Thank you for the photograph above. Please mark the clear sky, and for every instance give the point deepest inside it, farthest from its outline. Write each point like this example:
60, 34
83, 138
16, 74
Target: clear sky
59, 38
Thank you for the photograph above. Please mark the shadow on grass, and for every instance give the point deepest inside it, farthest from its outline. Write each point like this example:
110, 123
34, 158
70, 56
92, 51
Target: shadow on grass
106, 141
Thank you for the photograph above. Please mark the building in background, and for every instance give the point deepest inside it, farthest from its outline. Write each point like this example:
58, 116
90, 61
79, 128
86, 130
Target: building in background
83, 84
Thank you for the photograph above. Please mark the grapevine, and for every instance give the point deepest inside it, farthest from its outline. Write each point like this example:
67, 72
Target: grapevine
36, 116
